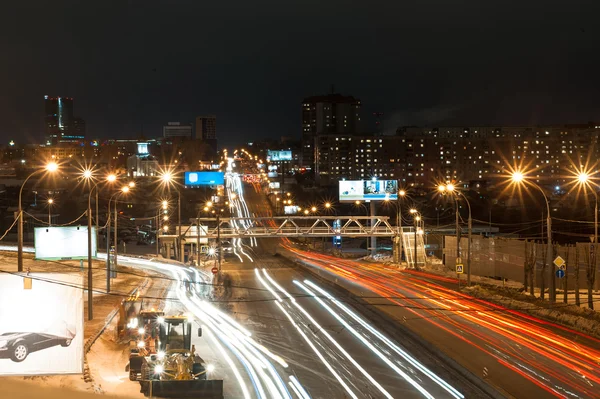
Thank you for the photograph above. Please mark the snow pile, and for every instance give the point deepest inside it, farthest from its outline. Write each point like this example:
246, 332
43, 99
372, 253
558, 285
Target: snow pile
384, 258
581, 319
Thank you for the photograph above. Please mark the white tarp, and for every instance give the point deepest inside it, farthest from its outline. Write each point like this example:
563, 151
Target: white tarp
41, 329
69, 242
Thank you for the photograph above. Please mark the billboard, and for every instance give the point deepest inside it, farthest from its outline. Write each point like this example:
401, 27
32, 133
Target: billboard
274, 156
60, 243
274, 184
290, 209
199, 179
368, 190
41, 324
272, 174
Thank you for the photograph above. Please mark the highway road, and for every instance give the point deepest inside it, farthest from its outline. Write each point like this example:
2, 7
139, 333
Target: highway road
521, 356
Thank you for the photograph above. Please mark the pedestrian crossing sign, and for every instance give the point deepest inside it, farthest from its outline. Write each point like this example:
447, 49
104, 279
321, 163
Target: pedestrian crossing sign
459, 268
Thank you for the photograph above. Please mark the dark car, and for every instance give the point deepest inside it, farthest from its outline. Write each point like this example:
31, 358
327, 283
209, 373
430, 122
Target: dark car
18, 345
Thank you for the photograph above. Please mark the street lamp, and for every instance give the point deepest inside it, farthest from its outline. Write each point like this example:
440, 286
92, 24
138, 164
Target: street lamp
168, 179
50, 167
450, 188
416, 219
584, 180
518, 177
50, 202
122, 190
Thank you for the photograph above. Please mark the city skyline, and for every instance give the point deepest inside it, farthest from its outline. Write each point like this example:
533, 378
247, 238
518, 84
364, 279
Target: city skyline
531, 68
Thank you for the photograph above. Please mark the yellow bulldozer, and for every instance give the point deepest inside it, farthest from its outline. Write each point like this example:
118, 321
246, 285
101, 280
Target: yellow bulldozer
165, 362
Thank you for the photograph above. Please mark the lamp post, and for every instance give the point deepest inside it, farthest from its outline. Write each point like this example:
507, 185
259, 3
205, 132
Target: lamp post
454, 191
416, 219
88, 175
50, 202
51, 167
519, 178
584, 180
168, 179
123, 190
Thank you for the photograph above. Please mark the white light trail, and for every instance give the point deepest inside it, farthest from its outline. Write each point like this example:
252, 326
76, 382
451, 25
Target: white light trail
384, 339
332, 340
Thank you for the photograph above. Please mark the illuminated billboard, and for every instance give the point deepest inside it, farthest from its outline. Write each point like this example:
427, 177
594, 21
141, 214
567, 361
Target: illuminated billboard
199, 179
274, 184
368, 190
41, 324
275, 156
60, 243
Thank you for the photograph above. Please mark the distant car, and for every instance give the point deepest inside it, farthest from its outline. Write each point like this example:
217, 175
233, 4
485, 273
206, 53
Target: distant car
19, 345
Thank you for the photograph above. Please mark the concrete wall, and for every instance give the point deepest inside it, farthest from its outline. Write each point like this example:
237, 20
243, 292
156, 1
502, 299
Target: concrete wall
505, 258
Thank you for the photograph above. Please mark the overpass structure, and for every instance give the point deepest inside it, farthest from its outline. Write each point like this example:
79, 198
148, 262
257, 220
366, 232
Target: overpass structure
301, 227
296, 226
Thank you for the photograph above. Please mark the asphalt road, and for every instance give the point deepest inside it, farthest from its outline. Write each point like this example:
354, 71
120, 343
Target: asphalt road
519, 355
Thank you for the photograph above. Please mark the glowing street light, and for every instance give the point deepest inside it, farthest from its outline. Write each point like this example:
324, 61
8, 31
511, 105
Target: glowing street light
519, 178
51, 167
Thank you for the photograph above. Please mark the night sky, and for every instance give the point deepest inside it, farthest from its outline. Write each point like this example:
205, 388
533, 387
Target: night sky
251, 63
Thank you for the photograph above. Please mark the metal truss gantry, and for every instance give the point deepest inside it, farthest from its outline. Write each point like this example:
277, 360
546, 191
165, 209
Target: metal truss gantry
295, 226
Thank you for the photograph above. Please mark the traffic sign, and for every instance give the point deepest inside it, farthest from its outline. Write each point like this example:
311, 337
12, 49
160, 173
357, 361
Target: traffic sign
559, 261
560, 273
214, 270
458, 261
459, 268
204, 249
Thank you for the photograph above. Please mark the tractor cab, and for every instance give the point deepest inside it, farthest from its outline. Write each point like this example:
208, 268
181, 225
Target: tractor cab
175, 332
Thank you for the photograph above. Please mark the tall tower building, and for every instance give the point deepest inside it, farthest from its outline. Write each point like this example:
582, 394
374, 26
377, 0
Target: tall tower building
206, 130
327, 114
61, 126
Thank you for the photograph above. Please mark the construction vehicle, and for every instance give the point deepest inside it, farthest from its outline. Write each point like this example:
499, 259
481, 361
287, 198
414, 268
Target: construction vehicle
143, 332
175, 370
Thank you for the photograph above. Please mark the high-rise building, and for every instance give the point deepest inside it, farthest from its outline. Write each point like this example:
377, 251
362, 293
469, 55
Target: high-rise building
61, 126
177, 129
206, 130
206, 127
329, 114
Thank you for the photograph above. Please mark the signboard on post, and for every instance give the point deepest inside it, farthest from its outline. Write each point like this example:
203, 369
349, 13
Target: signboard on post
368, 190
275, 156
63, 243
203, 179
559, 261
214, 270
41, 324
560, 273
459, 268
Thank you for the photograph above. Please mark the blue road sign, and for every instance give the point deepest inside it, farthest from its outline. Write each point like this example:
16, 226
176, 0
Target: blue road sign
560, 273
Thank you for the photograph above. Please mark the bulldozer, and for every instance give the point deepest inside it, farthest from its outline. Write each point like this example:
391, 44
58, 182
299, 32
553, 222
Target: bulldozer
143, 332
175, 370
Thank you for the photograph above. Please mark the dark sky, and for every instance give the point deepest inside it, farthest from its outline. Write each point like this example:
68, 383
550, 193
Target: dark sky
252, 62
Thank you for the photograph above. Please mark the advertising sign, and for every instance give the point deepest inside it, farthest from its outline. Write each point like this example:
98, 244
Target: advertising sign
275, 156
274, 184
368, 190
41, 324
290, 209
199, 179
272, 174
60, 243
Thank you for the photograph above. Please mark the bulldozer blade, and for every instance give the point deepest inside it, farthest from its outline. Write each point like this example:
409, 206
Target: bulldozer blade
205, 389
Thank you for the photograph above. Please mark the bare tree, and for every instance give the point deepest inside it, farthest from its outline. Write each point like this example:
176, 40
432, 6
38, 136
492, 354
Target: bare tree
577, 301
530, 258
543, 273
566, 278
590, 275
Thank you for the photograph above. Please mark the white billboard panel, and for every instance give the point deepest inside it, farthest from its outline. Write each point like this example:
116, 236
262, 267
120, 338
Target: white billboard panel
41, 328
69, 242
290, 209
368, 190
274, 184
